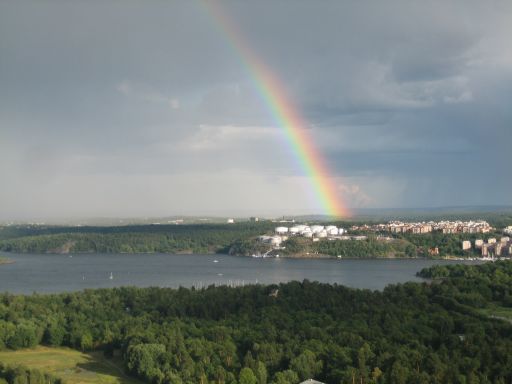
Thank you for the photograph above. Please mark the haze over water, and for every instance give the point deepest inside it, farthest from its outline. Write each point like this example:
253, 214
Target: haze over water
49, 273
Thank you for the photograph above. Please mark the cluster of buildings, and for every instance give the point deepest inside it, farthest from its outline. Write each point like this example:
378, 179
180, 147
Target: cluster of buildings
491, 248
319, 231
479, 226
314, 232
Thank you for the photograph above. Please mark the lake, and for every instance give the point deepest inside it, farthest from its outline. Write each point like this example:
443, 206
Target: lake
45, 273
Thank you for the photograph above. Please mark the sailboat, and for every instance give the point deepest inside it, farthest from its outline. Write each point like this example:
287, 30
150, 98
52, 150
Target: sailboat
111, 277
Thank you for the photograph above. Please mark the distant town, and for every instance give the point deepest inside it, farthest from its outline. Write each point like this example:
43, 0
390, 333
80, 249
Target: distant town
486, 248
447, 227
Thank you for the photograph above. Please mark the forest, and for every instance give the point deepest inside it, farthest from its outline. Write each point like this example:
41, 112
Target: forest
192, 238
368, 248
236, 239
432, 332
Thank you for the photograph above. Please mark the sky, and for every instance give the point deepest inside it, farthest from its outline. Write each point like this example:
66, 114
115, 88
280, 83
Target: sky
143, 108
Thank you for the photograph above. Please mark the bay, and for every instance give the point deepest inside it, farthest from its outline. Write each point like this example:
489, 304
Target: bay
51, 273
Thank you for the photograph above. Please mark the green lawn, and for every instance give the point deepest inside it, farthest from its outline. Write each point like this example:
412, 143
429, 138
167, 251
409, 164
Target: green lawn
70, 365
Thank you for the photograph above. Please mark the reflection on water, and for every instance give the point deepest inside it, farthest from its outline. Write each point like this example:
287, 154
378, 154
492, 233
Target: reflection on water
57, 273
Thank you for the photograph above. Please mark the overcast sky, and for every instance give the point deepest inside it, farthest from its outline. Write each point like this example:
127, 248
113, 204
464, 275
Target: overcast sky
120, 108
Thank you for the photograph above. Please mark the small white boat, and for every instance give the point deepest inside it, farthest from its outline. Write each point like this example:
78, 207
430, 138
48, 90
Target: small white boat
215, 261
111, 277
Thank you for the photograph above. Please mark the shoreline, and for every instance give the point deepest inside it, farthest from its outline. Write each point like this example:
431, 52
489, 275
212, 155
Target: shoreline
279, 256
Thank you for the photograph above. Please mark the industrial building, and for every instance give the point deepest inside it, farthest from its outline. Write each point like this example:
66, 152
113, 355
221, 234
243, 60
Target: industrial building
316, 231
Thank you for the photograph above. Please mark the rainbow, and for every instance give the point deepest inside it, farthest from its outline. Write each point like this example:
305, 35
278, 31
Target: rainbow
286, 115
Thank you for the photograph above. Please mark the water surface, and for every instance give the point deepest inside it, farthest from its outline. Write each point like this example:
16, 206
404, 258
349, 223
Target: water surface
45, 273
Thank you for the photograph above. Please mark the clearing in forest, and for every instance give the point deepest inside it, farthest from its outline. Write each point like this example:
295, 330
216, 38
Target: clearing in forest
70, 365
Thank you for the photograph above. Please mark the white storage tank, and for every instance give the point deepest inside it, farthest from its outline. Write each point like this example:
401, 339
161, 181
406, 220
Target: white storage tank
322, 233
281, 230
317, 228
307, 234
332, 231
294, 230
306, 230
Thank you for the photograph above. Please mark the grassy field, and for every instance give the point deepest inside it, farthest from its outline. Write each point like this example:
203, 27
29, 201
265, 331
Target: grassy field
70, 365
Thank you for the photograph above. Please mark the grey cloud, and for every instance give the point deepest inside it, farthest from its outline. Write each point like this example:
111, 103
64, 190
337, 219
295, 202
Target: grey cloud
408, 102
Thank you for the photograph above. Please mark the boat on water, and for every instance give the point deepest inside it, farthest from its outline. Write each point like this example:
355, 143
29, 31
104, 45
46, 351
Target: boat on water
111, 277
215, 261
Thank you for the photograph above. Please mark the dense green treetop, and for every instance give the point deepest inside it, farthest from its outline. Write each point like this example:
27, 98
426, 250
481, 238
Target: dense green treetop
407, 333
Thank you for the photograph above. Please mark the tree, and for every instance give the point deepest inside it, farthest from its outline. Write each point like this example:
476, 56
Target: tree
247, 376
54, 334
286, 377
25, 336
363, 355
306, 365
142, 360
86, 342
261, 373
399, 373
410, 251
376, 374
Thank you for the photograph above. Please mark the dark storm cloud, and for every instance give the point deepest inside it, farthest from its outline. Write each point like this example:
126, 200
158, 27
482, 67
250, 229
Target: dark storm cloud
126, 108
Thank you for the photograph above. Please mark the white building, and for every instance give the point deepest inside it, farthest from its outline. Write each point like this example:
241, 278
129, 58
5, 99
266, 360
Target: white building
272, 240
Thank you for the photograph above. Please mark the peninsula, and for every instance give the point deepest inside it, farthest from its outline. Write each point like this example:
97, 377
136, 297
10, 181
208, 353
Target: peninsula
439, 238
